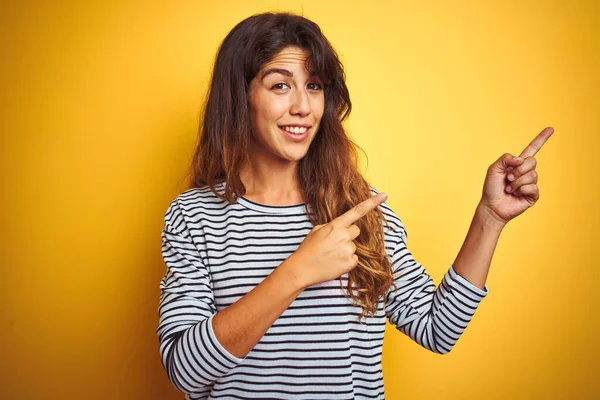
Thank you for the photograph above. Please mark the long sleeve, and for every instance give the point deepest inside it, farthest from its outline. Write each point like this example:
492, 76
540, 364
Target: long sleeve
433, 317
190, 352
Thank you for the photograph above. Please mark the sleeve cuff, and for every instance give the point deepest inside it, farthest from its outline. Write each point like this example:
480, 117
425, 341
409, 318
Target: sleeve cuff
219, 347
461, 283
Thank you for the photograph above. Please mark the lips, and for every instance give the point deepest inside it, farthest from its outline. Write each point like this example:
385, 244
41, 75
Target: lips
290, 132
297, 129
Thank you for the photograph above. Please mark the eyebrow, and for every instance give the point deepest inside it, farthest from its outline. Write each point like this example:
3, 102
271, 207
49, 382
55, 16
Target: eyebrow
276, 71
280, 71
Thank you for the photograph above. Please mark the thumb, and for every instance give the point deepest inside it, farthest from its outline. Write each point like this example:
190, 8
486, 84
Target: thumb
507, 161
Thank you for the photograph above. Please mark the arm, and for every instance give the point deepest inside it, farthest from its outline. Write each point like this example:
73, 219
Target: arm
436, 317
475, 256
433, 317
240, 326
509, 189
198, 344
190, 352
326, 253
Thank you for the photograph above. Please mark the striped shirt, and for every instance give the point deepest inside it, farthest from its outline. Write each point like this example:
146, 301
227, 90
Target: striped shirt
216, 252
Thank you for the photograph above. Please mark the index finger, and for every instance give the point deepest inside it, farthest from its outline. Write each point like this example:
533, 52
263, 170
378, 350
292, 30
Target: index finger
537, 143
359, 210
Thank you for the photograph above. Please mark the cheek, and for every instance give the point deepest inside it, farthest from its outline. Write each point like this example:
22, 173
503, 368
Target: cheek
266, 111
278, 108
262, 104
318, 107
271, 110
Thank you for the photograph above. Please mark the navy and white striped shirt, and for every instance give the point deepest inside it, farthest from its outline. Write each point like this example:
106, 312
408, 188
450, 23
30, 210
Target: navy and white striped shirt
216, 252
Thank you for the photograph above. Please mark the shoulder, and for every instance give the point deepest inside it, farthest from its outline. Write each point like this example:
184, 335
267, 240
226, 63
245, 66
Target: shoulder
191, 205
395, 228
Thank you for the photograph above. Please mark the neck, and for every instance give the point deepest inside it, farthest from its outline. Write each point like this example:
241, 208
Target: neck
272, 181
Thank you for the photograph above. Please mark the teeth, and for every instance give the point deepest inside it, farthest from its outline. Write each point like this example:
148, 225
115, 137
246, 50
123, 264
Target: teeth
295, 129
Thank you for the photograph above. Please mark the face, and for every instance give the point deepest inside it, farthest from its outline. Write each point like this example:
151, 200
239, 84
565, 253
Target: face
286, 106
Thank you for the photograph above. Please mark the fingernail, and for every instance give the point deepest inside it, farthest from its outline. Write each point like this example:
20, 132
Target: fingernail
511, 177
509, 189
517, 158
382, 196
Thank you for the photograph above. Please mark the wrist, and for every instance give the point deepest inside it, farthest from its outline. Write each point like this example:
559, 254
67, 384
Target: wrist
292, 273
489, 219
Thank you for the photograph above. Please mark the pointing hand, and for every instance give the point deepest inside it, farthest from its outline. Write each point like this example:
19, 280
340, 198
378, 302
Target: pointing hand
510, 186
327, 252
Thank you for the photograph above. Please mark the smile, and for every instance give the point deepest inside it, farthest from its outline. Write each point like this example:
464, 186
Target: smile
297, 130
295, 133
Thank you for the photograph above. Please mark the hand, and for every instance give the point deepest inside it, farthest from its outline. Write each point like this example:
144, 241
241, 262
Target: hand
327, 252
510, 186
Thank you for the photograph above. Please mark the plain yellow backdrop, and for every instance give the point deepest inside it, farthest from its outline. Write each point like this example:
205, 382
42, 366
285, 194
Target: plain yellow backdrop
99, 111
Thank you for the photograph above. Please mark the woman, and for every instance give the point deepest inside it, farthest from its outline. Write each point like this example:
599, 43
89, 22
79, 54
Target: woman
283, 263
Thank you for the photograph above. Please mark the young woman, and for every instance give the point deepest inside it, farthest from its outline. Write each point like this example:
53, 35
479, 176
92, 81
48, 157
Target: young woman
283, 263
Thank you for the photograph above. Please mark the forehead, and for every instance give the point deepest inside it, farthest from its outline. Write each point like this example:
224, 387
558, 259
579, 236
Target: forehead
288, 56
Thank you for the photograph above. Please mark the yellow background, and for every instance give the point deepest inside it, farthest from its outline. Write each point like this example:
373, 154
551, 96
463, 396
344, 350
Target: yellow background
99, 111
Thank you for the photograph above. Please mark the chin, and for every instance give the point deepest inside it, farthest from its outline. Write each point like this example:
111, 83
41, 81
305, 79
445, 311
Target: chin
293, 156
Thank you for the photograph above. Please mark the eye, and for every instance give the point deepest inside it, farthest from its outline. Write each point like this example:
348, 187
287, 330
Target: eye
279, 86
315, 86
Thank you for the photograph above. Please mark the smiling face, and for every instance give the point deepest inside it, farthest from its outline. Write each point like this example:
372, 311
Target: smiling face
286, 106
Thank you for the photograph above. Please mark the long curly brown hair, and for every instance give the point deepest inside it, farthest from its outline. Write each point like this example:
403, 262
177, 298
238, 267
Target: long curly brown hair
329, 177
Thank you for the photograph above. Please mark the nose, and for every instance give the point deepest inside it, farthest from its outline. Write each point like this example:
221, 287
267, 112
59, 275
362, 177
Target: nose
300, 104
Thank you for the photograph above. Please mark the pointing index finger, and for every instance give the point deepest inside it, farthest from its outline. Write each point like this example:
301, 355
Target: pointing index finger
537, 143
359, 210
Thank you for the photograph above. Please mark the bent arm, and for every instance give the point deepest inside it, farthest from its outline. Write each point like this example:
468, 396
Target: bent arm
240, 326
198, 345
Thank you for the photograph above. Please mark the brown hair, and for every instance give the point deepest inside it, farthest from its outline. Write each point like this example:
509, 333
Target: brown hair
328, 174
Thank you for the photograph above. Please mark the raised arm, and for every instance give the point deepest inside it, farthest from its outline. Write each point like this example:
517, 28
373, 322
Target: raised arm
437, 317
509, 189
